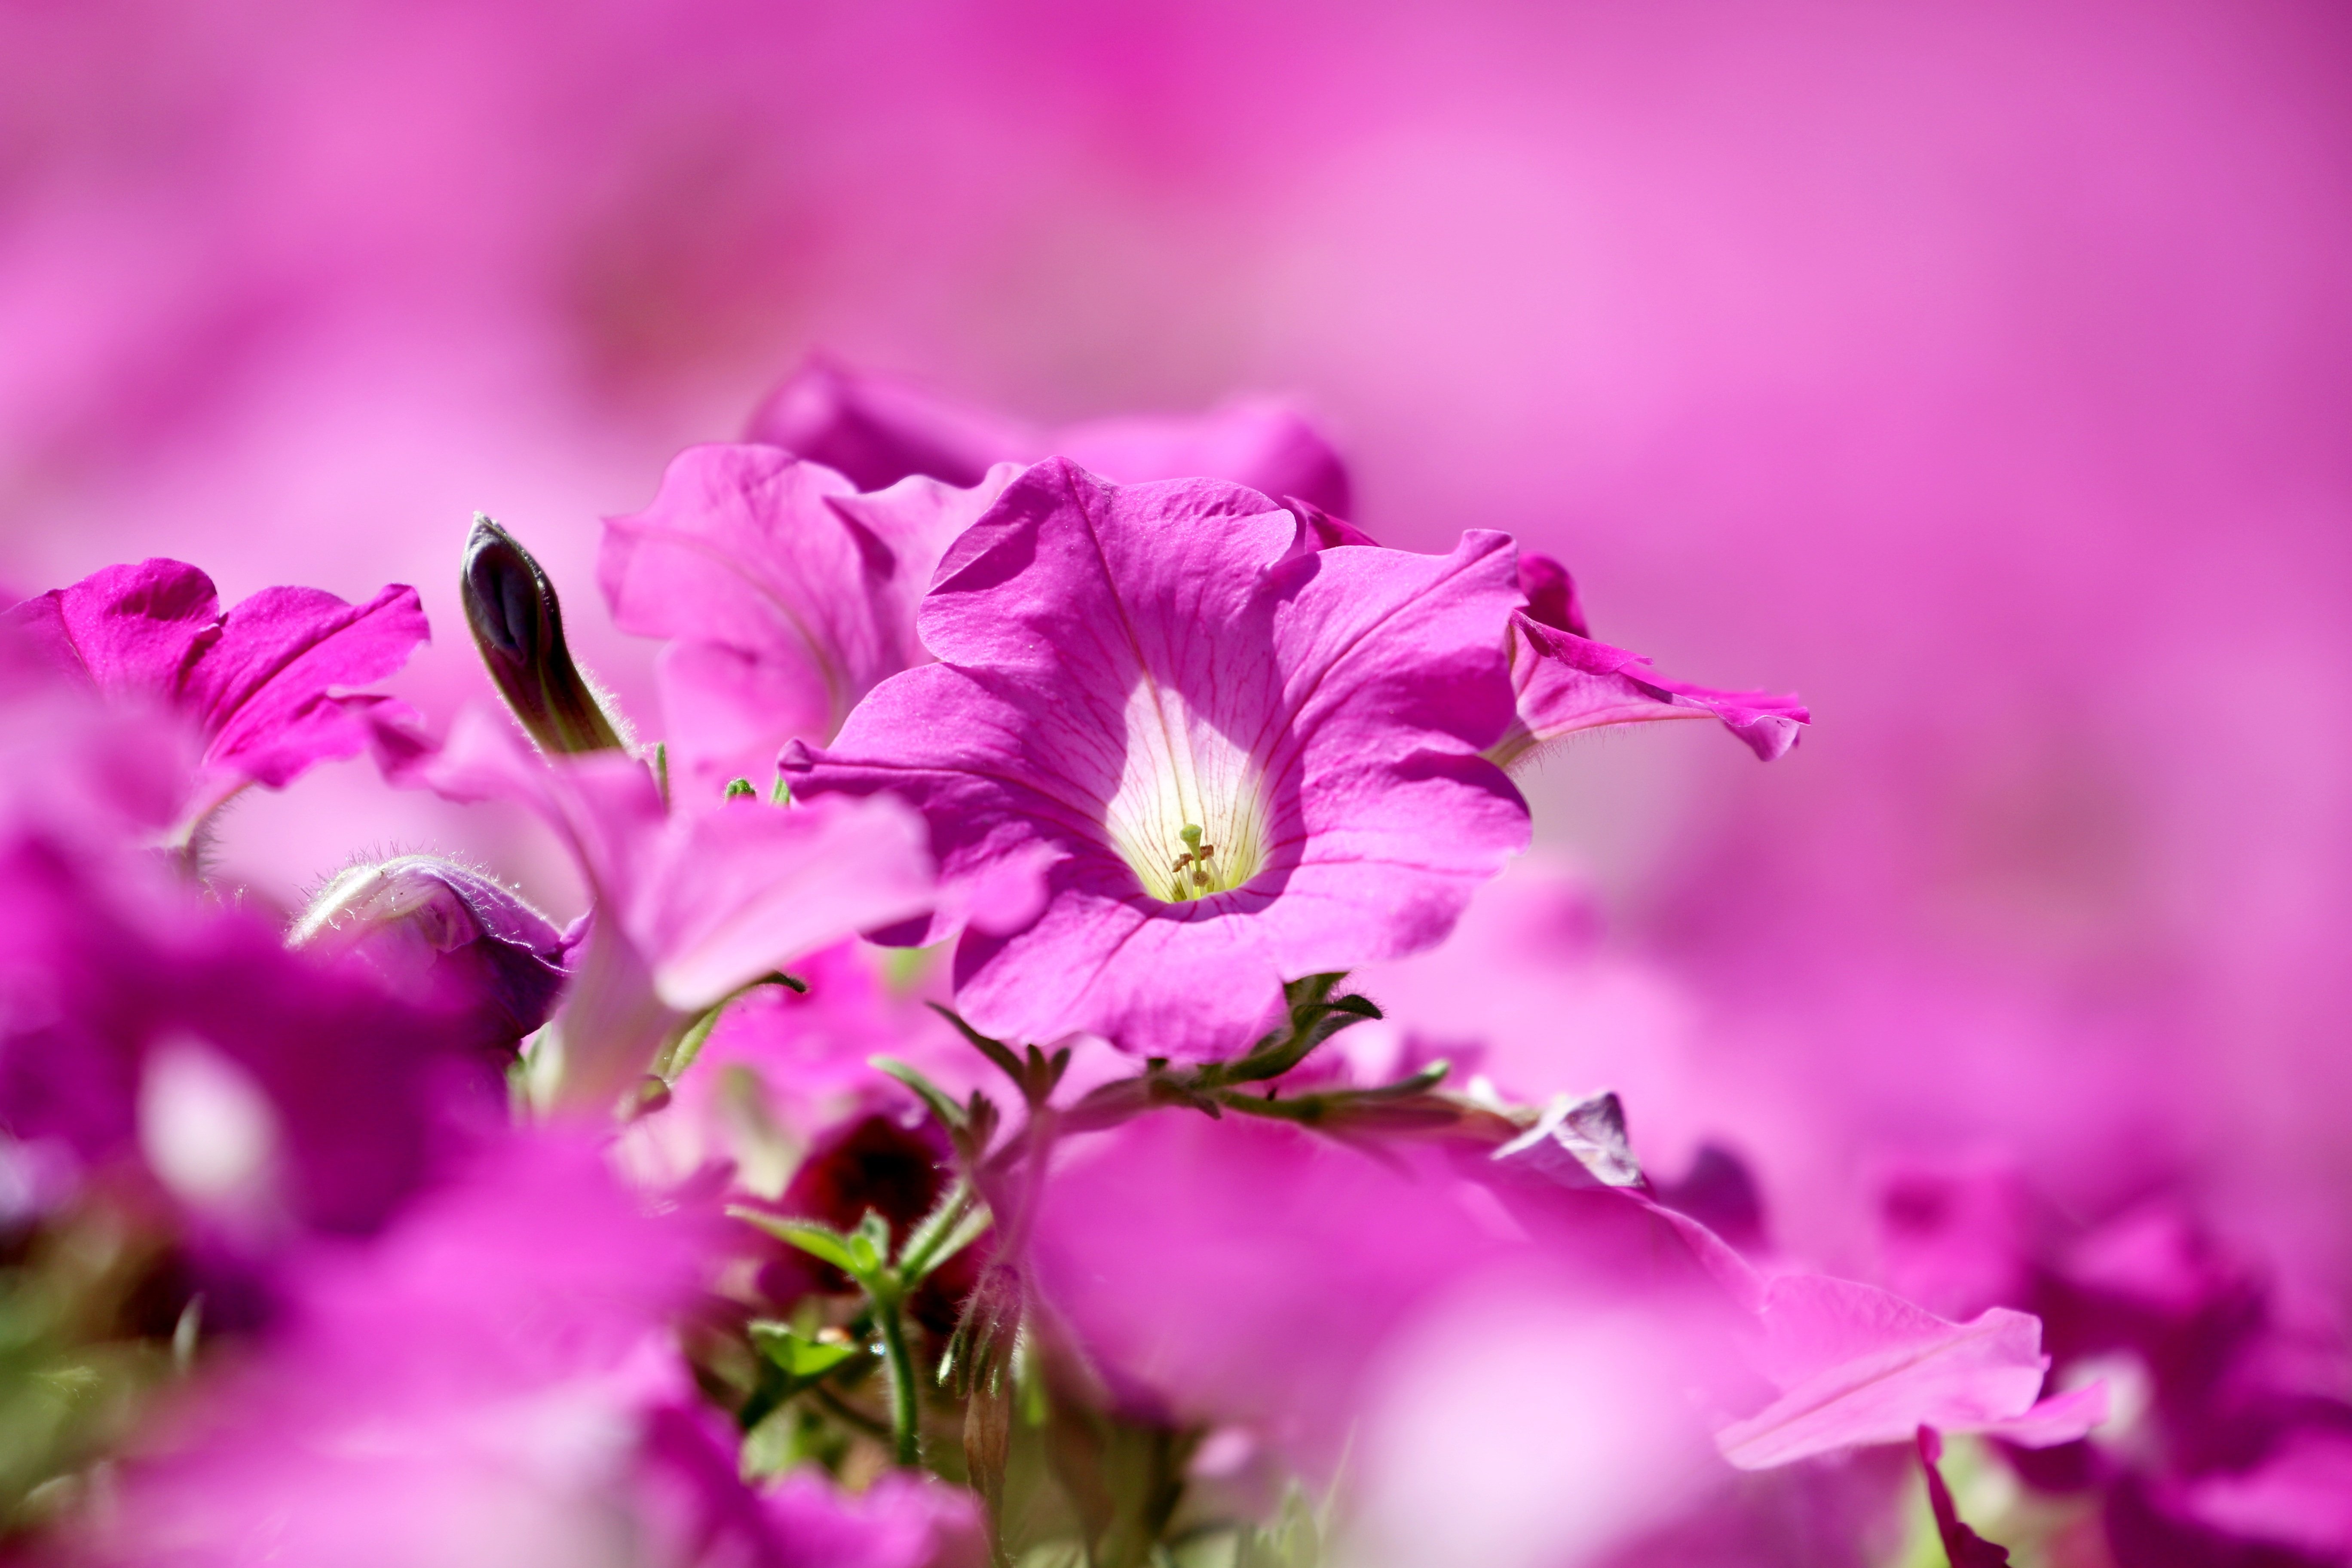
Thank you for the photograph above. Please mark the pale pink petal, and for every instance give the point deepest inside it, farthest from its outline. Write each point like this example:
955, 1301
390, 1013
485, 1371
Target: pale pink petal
1856, 1365
749, 887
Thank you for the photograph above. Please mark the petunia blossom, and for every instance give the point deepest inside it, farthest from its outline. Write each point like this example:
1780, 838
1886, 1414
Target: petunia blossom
266, 682
785, 592
1567, 681
689, 908
878, 431
1236, 762
1857, 1366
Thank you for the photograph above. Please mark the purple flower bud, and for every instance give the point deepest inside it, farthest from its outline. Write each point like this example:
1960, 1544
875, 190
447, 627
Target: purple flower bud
443, 934
519, 626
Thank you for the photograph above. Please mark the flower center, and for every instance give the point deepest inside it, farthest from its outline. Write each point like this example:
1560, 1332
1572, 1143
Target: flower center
1189, 814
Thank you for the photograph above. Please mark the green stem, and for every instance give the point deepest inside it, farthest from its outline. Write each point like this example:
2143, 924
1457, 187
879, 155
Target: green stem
905, 1413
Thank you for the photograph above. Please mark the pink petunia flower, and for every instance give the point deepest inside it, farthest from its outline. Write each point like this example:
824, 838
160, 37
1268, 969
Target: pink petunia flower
1236, 762
266, 683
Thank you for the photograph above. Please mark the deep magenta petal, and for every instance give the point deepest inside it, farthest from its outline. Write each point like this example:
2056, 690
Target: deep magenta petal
1566, 683
267, 684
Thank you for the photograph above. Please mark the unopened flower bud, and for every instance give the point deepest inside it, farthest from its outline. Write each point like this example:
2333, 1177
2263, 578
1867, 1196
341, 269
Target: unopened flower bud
443, 934
519, 626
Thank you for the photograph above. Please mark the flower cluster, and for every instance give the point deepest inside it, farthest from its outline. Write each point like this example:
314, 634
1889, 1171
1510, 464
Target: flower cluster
1108, 1219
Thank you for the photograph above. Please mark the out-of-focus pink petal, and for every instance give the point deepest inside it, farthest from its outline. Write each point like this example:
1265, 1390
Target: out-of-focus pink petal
1856, 1365
688, 907
878, 431
749, 887
2298, 1497
1266, 445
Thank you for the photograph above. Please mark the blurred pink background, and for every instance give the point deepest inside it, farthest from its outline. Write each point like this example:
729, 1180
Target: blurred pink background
1981, 371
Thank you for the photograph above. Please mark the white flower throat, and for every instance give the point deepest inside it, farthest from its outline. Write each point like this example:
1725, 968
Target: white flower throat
1190, 814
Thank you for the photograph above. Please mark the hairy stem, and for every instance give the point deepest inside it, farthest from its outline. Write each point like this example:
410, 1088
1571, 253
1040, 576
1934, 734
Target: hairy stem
906, 1414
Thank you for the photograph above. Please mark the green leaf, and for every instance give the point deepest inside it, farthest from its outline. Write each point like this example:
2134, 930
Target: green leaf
816, 1240
797, 1357
870, 1247
949, 1114
996, 1051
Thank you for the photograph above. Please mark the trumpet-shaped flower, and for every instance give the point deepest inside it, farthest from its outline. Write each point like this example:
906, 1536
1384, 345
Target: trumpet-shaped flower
1236, 760
265, 682
786, 594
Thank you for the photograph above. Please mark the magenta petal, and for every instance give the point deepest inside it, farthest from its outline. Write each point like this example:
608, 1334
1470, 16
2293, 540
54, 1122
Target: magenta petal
132, 630
2299, 1496
1566, 682
1551, 593
268, 691
264, 683
1264, 444
1856, 1365
878, 432
749, 887
707, 903
787, 594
